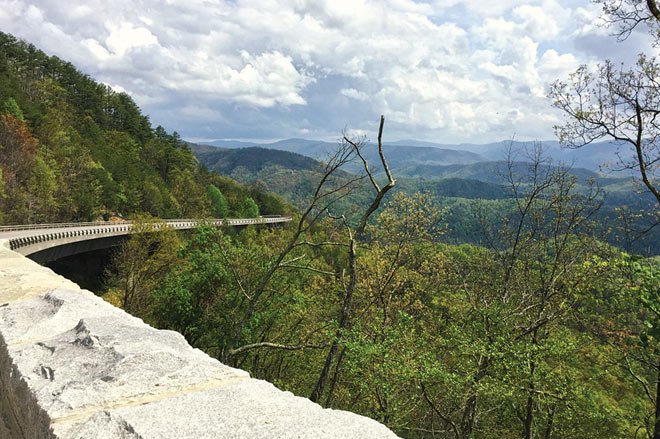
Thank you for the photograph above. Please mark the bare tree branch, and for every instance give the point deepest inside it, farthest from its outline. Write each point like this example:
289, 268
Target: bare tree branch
265, 344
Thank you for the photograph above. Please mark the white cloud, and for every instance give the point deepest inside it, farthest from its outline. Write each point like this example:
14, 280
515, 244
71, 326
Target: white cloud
354, 94
464, 70
357, 133
553, 65
537, 22
126, 36
96, 48
262, 80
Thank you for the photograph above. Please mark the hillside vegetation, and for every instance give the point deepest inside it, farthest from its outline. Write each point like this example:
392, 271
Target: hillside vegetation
425, 337
471, 193
72, 149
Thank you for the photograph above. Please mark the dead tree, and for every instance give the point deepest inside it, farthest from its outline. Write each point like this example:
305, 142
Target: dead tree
350, 278
328, 192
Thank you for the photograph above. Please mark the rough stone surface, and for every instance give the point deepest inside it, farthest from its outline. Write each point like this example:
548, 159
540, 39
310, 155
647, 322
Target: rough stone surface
73, 366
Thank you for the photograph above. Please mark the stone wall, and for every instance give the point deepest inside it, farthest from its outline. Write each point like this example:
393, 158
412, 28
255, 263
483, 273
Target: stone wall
74, 366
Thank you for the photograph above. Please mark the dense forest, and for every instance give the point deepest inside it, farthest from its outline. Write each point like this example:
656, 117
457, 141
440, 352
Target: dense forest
471, 194
72, 149
541, 331
544, 331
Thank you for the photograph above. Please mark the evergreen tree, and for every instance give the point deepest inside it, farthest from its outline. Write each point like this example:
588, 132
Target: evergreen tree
219, 205
249, 208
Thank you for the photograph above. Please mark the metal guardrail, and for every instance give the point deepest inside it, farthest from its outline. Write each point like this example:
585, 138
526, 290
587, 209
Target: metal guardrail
260, 220
13, 228
97, 228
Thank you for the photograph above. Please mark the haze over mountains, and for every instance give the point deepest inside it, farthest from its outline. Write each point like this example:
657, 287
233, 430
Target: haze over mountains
461, 177
472, 171
405, 155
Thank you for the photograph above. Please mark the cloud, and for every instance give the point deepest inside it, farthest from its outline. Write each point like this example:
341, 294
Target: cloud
553, 65
354, 94
262, 80
126, 36
457, 70
536, 22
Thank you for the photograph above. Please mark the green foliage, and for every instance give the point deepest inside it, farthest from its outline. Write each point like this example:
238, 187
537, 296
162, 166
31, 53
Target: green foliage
618, 310
207, 297
74, 149
530, 336
219, 205
436, 332
142, 264
10, 106
249, 209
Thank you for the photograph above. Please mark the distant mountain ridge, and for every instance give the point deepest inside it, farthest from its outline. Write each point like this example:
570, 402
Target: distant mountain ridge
477, 177
398, 157
405, 153
494, 171
252, 159
463, 188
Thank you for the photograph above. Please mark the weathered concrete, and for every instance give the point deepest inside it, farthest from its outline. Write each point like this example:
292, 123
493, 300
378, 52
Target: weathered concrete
73, 366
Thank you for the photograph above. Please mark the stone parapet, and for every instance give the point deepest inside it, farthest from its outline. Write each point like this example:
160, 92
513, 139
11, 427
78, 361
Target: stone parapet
74, 366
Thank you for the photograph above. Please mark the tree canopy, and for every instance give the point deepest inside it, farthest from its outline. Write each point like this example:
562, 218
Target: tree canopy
73, 149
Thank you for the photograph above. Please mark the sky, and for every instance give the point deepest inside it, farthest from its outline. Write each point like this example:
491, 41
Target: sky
445, 71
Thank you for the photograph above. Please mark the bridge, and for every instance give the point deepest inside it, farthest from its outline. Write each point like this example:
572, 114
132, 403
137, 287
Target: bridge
73, 365
44, 243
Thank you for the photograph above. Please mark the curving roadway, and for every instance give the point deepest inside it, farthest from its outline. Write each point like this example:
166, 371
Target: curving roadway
47, 242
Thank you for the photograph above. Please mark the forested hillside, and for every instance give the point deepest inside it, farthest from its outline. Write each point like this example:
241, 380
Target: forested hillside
541, 331
250, 160
472, 194
72, 149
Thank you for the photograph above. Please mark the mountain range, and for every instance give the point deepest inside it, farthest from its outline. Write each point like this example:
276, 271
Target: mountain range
402, 154
463, 178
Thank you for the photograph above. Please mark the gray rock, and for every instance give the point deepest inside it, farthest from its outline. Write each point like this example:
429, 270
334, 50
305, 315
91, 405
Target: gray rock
104, 425
74, 366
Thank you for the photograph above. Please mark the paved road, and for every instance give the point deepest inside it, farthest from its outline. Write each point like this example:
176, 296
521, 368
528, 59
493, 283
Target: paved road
29, 239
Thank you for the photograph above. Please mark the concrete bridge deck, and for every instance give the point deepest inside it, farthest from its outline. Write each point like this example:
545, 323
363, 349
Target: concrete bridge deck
48, 242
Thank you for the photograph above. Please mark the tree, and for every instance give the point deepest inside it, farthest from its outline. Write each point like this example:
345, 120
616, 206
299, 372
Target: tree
645, 351
618, 103
141, 264
219, 205
18, 150
349, 275
506, 312
227, 291
623, 104
41, 188
249, 208
627, 15
621, 308
10, 106
191, 196
2, 196
380, 349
